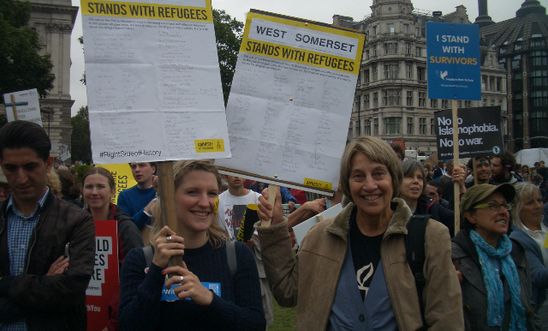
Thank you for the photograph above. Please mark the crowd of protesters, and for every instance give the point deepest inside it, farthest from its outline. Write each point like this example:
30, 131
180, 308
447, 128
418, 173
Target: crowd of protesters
351, 272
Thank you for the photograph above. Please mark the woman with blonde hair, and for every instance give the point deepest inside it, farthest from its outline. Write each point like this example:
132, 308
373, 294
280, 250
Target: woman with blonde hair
530, 230
351, 271
203, 293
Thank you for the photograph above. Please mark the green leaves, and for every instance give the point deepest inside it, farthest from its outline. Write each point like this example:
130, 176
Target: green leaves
22, 67
228, 31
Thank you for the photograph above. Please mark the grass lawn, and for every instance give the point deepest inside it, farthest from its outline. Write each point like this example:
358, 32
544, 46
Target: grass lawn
284, 318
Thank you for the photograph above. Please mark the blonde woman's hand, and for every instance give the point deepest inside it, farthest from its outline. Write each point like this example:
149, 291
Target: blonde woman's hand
189, 285
166, 245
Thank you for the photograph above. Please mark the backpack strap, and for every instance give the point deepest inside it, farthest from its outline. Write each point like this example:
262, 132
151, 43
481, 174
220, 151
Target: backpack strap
149, 252
414, 247
231, 257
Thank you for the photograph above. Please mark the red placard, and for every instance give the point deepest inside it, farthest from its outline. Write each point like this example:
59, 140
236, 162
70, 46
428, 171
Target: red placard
104, 286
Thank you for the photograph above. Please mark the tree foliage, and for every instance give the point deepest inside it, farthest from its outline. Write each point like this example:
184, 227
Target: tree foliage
228, 31
21, 65
80, 139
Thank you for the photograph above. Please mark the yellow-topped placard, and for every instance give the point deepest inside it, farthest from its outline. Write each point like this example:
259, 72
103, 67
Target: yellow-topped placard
319, 184
209, 145
139, 10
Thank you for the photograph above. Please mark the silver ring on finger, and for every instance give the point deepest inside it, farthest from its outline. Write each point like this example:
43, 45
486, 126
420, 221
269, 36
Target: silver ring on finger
181, 278
168, 238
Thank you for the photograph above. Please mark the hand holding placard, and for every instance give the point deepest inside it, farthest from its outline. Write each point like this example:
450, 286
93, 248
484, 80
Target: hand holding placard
270, 206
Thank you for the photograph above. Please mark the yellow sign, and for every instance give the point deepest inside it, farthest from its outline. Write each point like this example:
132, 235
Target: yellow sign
123, 177
319, 184
209, 145
147, 10
546, 241
311, 44
302, 56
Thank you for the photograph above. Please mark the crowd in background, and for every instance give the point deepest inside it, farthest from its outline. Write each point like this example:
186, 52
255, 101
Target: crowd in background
239, 251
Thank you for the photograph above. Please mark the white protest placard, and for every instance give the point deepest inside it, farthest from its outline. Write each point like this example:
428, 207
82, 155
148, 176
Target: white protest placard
302, 229
291, 100
23, 105
153, 82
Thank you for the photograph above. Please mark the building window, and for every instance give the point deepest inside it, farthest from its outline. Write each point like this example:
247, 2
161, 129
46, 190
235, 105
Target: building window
516, 62
410, 125
409, 70
421, 73
483, 83
433, 103
432, 127
365, 101
392, 125
422, 126
376, 127
444, 103
373, 30
539, 98
374, 72
422, 99
539, 79
366, 76
407, 48
391, 29
390, 48
498, 86
406, 28
418, 52
467, 104
539, 58
391, 97
536, 41
391, 70
409, 98
375, 99
367, 128
374, 51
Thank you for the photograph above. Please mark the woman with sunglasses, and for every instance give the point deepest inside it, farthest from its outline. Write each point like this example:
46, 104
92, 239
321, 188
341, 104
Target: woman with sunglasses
495, 286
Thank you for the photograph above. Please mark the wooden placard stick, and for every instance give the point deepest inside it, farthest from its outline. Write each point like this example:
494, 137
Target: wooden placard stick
456, 187
13, 107
167, 202
272, 193
474, 171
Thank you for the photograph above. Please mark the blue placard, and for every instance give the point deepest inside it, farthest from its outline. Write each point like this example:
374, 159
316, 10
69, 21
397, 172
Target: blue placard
453, 61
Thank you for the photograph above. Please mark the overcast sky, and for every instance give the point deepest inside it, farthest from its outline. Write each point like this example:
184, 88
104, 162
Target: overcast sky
317, 10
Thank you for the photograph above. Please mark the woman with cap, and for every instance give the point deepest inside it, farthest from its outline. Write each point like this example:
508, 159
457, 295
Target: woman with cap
530, 228
495, 286
351, 272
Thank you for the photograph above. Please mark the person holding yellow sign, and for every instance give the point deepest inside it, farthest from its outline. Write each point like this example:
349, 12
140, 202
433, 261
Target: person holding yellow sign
350, 272
216, 288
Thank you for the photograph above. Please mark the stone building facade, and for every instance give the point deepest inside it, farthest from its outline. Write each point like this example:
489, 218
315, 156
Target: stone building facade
521, 44
53, 20
391, 95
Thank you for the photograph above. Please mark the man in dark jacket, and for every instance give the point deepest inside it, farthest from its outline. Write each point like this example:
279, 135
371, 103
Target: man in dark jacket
36, 229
